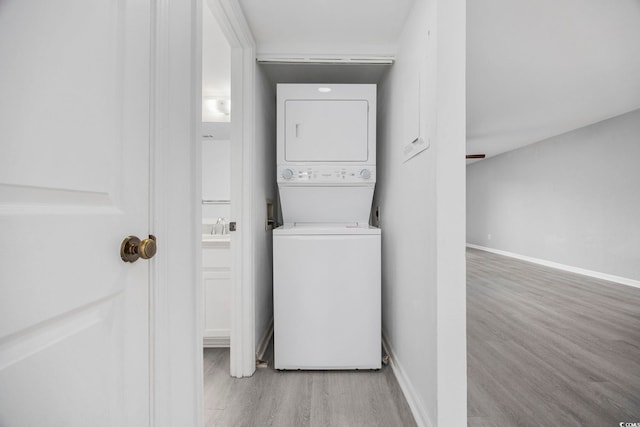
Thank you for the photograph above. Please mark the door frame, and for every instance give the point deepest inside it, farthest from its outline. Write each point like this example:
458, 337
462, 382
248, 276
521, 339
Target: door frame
175, 326
234, 26
176, 329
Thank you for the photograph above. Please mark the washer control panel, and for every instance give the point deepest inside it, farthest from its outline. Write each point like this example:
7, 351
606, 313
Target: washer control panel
326, 174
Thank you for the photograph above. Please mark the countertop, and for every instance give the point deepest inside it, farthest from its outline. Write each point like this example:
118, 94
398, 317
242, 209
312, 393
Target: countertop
216, 239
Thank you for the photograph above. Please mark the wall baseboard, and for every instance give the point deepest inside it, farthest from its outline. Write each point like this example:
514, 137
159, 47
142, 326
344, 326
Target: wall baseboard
417, 409
216, 342
595, 274
264, 341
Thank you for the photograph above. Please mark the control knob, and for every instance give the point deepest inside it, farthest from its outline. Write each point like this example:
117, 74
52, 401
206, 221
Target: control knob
287, 174
365, 173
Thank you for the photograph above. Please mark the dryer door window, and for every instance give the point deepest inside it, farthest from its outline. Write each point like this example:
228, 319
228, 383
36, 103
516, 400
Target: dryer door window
326, 130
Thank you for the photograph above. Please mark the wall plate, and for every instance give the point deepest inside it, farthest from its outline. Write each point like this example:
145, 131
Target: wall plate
414, 148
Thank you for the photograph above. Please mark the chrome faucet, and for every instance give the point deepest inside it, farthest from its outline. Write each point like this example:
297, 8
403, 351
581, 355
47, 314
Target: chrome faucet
220, 227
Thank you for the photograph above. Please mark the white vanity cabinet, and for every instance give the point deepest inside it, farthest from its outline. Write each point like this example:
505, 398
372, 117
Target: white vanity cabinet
216, 283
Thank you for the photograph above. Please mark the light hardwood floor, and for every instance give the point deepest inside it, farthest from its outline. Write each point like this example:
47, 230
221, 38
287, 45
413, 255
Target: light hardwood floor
544, 348
301, 398
549, 348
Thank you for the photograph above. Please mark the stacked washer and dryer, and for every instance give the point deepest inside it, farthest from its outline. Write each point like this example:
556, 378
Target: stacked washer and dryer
326, 256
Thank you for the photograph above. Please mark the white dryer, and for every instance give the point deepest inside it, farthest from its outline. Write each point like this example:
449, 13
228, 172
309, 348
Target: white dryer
327, 311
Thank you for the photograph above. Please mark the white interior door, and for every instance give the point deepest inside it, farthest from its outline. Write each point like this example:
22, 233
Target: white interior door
74, 168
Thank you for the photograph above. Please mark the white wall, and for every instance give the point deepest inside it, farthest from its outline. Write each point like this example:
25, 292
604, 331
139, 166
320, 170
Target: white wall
450, 145
422, 214
216, 179
216, 67
573, 199
264, 188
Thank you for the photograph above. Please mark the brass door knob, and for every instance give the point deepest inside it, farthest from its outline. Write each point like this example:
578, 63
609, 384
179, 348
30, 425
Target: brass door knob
133, 248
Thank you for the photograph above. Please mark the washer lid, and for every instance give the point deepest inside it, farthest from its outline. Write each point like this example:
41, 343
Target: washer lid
306, 229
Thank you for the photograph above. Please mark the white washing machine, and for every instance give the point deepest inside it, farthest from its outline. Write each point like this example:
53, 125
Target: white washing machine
327, 307
327, 296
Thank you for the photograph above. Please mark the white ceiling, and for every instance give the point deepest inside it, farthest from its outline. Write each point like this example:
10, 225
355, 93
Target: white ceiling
326, 26
536, 69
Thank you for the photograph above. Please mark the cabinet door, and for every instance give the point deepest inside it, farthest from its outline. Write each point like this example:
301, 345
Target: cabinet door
217, 308
216, 257
326, 130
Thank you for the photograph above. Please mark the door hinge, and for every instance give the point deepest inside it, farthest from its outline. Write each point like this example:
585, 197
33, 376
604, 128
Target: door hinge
232, 226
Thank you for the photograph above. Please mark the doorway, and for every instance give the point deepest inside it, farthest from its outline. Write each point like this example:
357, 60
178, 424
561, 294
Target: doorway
216, 177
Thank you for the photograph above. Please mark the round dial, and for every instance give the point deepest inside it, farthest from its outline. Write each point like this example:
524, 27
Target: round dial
365, 173
287, 174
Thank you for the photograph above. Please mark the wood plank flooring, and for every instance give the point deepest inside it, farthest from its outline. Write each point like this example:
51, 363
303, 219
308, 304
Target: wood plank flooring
544, 348
549, 348
301, 398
